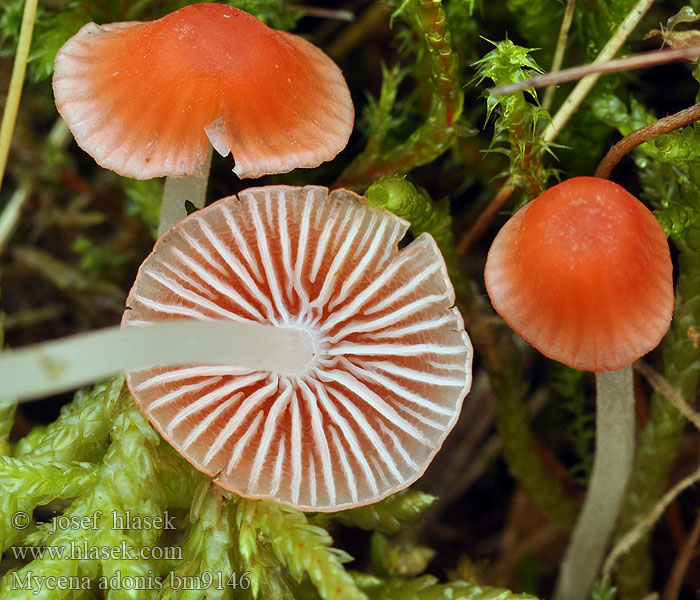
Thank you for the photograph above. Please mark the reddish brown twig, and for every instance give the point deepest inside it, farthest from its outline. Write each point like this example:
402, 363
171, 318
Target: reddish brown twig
644, 134
484, 219
634, 61
680, 566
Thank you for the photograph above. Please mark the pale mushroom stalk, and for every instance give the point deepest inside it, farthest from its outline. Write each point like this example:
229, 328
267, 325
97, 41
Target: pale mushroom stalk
178, 190
612, 466
57, 366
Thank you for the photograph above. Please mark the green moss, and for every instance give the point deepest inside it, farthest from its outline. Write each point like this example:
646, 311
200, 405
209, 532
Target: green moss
411, 67
518, 122
438, 79
389, 515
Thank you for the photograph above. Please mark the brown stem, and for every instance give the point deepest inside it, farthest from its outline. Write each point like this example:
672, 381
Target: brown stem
675, 581
666, 125
484, 219
362, 27
668, 391
634, 61
629, 539
324, 13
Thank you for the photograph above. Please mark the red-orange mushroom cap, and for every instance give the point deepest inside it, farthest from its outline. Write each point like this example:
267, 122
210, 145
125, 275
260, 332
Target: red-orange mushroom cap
391, 366
584, 274
145, 99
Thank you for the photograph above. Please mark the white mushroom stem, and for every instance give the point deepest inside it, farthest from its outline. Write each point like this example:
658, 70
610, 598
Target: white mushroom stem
612, 465
180, 189
65, 364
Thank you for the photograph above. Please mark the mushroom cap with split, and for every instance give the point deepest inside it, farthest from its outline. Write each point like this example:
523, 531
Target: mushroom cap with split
391, 361
145, 99
584, 274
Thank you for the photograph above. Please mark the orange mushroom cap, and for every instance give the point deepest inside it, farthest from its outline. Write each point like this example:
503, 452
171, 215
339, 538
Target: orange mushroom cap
392, 362
584, 274
145, 99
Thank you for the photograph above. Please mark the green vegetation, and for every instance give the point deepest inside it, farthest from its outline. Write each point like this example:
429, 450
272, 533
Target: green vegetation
489, 519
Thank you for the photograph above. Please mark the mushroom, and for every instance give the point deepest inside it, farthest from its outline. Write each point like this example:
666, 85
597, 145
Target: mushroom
146, 99
315, 363
584, 274
391, 361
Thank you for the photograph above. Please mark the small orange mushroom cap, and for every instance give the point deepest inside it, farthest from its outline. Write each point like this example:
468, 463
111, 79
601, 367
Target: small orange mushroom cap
145, 99
584, 274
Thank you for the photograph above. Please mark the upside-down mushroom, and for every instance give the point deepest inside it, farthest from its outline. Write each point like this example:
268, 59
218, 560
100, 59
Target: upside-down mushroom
391, 361
584, 274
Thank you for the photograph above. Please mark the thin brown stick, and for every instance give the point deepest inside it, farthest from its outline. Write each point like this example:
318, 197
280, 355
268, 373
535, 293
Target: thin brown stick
627, 541
484, 219
635, 61
325, 13
373, 17
560, 50
680, 566
666, 125
670, 393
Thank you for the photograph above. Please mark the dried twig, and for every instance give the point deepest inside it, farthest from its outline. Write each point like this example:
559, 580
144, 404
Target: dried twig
559, 52
680, 566
627, 541
670, 393
628, 63
484, 219
644, 134
373, 17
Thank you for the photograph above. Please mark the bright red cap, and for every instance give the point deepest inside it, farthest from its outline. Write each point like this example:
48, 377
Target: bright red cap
367, 414
145, 99
584, 274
